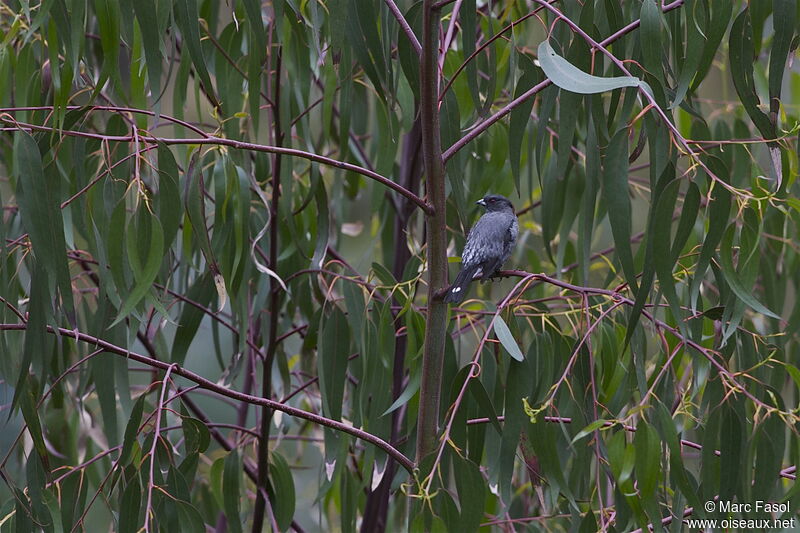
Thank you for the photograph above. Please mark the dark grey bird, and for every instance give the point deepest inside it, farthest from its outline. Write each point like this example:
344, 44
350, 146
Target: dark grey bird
489, 245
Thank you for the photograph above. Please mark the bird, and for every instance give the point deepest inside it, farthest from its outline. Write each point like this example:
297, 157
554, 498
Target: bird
489, 245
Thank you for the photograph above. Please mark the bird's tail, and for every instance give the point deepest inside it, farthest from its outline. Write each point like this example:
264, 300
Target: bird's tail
458, 290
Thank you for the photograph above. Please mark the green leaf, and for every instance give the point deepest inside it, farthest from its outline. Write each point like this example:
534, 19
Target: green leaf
693, 49
718, 210
469, 25
410, 390
365, 42
257, 51
231, 485
201, 293
190, 518
663, 260
30, 413
720, 17
408, 57
36, 347
386, 278
129, 507
102, 369
544, 439
506, 338
784, 20
283, 491
770, 443
323, 220
732, 445
618, 202
553, 197
471, 489
196, 434
108, 22
480, 395
195, 208
741, 60
168, 199
151, 40
132, 431
650, 39
567, 76
589, 429
187, 19
648, 459
332, 362
36, 477
518, 379
667, 431
691, 206
588, 205
520, 116
41, 215
732, 278
215, 480
145, 274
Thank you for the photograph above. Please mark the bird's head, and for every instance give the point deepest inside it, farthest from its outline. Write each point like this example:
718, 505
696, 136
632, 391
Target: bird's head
495, 202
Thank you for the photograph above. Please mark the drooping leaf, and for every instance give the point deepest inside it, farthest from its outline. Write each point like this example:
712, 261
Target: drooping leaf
152, 240
41, 216
332, 362
618, 202
506, 338
231, 486
570, 78
742, 55
283, 491
744, 293
187, 17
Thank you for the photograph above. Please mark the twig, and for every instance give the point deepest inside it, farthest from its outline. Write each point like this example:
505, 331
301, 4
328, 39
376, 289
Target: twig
211, 386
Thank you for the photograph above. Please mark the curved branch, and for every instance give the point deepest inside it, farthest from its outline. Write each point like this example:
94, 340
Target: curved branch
115, 109
209, 385
485, 45
619, 297
232, 143
516, 102
680, 140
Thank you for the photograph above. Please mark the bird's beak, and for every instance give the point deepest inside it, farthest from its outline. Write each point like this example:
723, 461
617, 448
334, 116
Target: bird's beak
481, 202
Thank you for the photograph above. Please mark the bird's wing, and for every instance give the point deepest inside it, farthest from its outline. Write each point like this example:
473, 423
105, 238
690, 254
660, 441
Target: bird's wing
486, 239
509, 241
511, 232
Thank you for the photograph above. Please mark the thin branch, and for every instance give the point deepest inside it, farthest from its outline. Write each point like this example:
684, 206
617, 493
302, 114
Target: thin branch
617, 296
262, 499
232, 143
211, 386
156, 435
483, 47
116, 109
516, 102
404, 26
680, 141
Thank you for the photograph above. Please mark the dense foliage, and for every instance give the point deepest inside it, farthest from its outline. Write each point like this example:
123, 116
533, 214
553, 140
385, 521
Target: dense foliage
227, 225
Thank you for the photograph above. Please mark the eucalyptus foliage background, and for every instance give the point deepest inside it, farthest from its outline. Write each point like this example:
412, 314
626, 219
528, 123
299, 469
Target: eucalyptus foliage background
226, 227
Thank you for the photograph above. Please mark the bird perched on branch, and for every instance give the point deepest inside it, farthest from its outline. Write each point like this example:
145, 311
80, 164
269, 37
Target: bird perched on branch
489, 245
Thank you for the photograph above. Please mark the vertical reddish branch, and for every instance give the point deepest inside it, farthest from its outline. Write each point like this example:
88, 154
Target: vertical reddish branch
274, 305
